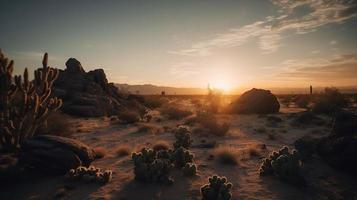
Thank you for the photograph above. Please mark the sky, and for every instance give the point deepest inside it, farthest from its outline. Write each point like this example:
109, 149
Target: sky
189, 43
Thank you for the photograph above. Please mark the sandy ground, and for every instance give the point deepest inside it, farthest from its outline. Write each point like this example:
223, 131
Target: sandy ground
323, 182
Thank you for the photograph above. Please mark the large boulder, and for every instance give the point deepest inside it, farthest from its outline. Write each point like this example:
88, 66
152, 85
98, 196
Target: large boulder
55, 154
256, 101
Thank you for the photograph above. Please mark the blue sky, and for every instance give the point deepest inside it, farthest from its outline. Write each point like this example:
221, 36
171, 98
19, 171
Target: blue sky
227, 43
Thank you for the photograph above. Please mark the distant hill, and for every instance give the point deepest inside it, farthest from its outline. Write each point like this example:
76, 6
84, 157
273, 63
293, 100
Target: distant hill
153, 89
147, 89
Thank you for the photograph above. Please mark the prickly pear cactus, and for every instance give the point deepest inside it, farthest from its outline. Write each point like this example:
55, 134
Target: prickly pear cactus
151, 166
189, 169
181, 156
217, 189
183, 137
90, 174
285, 165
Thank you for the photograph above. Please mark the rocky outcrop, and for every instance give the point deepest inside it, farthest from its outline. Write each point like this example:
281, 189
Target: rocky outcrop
256, 101
55, 154
88, 94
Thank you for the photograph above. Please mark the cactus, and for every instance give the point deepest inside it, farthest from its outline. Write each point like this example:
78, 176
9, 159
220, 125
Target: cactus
285, 165
217, 189
189, 169
90, 174
183, 137
24, 104
181, 156
151, 166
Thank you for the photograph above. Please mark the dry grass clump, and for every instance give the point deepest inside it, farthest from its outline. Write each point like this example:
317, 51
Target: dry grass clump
255, 150
129, 117
100, 152
161, 145
155, 101
208, 121
123, 150
227, 155
57, 124
150, 128
174, 112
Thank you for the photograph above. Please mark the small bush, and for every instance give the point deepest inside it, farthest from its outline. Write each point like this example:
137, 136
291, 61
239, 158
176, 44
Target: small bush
226, 155
174, 112
210, 122
124, 150
161, 145
57, 124
129, 117
100, 152
155, 101
329, 102
217, 189
150, 128
302, 101
255, 150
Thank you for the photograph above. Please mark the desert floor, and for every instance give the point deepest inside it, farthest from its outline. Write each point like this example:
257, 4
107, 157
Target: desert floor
245, 132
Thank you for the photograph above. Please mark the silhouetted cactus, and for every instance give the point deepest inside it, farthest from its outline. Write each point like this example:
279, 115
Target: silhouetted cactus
285, 165
190, 169
217, 189
24, 104
181, 156
151, 166
183, 137
90, 174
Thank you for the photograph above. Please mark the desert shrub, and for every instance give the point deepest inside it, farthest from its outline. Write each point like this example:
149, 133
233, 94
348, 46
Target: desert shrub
129, 117
99, 152
284, 165
255, 149
213, 101
24, 104
210, 122
302, 101
329, 102
217, 189
174, 112
181, 156
57, 123
123, 150
307, 118
149, 167
153, 102
150, 128
183, 137
161, 145
227, 155
90, 174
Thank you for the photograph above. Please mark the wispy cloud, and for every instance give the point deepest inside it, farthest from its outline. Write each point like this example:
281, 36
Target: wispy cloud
270, 29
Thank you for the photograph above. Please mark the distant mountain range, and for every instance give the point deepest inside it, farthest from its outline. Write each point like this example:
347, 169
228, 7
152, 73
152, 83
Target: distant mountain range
147, 89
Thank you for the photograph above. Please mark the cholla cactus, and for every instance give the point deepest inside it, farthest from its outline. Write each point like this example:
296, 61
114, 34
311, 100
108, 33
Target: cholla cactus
90, 174
181, 156
189, 169
151, 166
24, 104
217, 189
285, 165
183, 137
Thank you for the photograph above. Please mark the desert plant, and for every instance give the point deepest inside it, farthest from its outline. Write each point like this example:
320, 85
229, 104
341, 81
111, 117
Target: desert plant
213, 101
181, 156
24, 104
123, 150
217, 189
151, 168
329, 102
129, 117
90, 174
302, 101
209, 121
183, 137
99, 152
57, 123
174, 112
155, 101
226, 155
285, 165
161, 145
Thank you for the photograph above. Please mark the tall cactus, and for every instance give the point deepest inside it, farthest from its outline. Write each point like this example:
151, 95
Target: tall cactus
24, 104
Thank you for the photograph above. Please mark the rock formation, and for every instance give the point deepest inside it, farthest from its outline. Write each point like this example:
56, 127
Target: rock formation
256, 101
88, 94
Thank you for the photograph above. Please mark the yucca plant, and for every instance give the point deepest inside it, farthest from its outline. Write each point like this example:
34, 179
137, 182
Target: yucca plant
24, 104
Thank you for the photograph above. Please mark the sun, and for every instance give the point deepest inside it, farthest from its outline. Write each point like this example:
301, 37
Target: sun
221, 85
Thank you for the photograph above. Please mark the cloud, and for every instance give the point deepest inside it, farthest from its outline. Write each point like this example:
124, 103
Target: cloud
270, 29
340, 68
333, 42
184, 69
